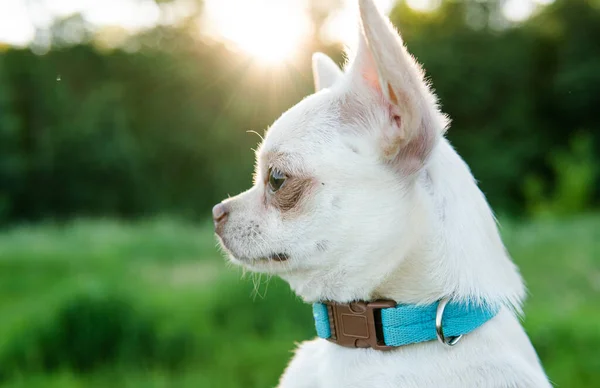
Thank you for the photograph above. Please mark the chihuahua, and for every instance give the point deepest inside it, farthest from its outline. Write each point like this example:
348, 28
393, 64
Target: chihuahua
358, 196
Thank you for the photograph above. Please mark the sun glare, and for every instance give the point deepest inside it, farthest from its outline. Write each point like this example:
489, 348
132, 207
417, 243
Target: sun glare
269, 30
423, 5
342, 25
518, 10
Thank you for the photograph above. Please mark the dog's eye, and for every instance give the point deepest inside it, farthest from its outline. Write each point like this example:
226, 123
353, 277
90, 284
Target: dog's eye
276, 179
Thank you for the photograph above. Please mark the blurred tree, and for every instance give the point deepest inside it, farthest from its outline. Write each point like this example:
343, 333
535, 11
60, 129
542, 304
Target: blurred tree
161, 124
11, 160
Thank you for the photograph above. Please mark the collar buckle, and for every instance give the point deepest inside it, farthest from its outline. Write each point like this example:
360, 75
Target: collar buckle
358, 324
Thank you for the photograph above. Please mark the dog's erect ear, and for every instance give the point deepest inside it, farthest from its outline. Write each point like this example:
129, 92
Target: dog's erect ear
325, 71
383, 63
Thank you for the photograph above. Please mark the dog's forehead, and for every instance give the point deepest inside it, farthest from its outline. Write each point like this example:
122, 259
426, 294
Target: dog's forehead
306, 128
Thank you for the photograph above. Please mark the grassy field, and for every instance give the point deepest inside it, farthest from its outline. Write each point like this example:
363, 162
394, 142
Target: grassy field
151, 304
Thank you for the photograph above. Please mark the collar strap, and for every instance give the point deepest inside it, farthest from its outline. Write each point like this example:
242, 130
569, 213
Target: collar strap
384, 324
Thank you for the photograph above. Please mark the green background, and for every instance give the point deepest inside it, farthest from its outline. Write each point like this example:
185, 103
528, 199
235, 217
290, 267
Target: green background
111, 158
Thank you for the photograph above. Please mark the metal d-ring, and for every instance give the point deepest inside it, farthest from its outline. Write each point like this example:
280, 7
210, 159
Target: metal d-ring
439, 331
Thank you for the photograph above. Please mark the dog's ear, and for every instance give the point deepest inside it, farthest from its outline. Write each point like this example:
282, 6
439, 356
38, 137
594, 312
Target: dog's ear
325, 71
383, 63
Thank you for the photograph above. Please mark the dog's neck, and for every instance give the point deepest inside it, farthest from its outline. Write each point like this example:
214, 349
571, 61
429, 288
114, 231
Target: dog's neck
456, 250
461, 254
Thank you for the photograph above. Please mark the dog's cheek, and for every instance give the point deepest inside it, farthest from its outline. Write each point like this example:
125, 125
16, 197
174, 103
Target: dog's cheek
290, 199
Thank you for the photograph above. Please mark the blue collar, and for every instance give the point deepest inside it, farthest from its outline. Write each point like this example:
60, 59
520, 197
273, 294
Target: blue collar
384, 324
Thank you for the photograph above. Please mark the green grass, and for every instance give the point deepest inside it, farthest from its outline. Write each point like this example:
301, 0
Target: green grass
152, 304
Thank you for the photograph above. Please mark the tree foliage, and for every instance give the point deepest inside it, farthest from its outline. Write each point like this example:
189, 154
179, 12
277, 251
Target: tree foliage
163, 128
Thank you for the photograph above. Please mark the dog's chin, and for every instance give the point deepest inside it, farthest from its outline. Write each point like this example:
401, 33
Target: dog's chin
260, 263
275, 257
272, 263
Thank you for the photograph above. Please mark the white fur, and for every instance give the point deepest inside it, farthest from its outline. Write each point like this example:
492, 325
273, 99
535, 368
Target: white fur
392, 212
325, 70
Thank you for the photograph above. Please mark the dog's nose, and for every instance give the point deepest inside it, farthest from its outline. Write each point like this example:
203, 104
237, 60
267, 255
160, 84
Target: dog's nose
219, 212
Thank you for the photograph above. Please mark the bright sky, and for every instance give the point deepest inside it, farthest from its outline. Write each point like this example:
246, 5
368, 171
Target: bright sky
250, 27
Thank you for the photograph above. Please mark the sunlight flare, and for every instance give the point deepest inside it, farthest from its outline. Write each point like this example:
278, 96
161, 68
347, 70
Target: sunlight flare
269, 30
423, 5
342, 24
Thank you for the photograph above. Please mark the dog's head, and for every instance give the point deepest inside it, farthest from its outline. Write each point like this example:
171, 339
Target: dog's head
337, 176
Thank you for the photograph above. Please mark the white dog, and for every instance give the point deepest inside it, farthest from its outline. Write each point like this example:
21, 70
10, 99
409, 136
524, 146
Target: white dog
359, 197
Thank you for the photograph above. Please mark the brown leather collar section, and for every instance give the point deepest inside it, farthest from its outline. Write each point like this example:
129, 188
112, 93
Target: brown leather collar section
358, 324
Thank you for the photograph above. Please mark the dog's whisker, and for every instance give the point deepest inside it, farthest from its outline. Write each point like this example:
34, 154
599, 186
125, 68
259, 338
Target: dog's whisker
261, 243
256, 277
267, 281
256, 133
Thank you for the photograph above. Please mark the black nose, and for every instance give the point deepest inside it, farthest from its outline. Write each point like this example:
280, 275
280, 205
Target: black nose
219, 212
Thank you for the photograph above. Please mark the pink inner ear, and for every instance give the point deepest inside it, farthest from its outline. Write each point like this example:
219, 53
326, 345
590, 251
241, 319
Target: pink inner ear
393, 98
364, 65
393, 106
396, 118
372, 79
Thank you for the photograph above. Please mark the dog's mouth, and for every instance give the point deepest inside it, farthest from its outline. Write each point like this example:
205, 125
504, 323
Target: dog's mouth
276, 257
